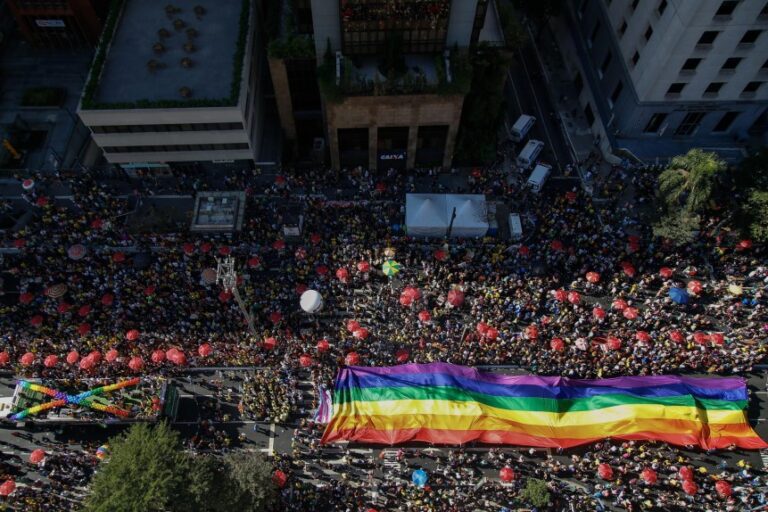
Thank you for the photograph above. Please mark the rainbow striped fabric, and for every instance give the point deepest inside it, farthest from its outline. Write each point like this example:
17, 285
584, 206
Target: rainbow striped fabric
447, 404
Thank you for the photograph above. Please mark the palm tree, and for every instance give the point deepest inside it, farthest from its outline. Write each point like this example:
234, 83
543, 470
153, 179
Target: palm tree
690, 181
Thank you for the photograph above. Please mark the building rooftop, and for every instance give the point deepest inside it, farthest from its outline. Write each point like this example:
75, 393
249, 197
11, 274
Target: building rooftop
127, 76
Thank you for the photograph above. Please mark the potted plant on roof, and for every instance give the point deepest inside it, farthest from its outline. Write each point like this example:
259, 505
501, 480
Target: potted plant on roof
199, 11
163, 33
153, 65
192, 33
179, 24
186, 62
158, 47
189, 47
185, 92
170, 10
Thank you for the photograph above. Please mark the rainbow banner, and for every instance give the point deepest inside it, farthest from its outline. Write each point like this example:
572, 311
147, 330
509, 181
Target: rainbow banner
446, 404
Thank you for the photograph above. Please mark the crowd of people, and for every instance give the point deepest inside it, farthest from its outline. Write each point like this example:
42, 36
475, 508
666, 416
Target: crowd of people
585, 294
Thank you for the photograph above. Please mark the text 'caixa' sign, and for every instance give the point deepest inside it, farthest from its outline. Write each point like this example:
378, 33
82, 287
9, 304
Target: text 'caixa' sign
392, 155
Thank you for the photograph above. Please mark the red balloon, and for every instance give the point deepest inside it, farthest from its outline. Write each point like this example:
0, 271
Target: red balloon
158, 356
132, 335
353, 325
676, 336
27, 359
574, 297
107, 299
111, 355
136, 364
506, 474
593, 277
402, 355
613, 342
424, 316
7, 487
37, 456
205, 350
305, 360
270, 343
363, 266
605, 471
352, 359
723, 488
73, 357
665, 272
323, 345
557, 344
630, 313
456, 298
342, 275
50, 361
695, 287
361, 334
690, 487
4, 358
561, 295
685, 473
649, 476
598, 312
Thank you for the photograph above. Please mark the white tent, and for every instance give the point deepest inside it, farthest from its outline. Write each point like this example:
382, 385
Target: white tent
429, 215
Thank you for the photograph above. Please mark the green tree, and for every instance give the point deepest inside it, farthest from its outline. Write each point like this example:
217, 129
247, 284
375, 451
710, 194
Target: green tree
209, 485
147, 471
756, 210
753, 171
690, 181
678, 227
251, 486
535, 493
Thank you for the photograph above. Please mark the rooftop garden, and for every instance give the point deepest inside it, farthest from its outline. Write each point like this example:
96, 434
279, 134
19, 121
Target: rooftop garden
285, 42
156, 64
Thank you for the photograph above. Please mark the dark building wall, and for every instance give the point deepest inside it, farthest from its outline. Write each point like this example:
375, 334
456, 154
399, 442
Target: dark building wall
59, 23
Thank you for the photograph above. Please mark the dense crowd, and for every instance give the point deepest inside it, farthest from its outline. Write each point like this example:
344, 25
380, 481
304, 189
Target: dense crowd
527, 303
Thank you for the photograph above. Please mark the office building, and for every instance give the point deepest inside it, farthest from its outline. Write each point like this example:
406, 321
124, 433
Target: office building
392, 77
59, 23
657, 77
174, 83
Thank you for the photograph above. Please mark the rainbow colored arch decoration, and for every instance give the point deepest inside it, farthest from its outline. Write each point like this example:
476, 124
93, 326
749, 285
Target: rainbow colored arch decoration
83, 399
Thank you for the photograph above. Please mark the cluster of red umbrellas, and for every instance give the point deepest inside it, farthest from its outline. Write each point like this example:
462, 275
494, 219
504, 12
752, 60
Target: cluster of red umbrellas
455, 297
628, 268
357, 330
573, 297
409, 295
486, 331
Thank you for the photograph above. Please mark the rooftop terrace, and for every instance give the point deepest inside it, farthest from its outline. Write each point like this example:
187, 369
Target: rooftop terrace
178, 52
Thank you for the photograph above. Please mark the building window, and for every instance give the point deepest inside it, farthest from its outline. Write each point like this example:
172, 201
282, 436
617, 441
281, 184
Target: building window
708, 37
623, 28
617, 92
731, 63
648, 33
606, 63
713, 88
726, 121
726, 8
634, 5
676, 88
635, 58
752, 87
654, 123
589, 114
691, 64
662, 7
690, 123
750, 36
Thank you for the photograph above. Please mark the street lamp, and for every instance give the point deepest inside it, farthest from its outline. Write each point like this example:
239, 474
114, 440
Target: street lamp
227, 277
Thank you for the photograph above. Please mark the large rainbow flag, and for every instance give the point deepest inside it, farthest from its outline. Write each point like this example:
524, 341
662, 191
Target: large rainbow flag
446, 404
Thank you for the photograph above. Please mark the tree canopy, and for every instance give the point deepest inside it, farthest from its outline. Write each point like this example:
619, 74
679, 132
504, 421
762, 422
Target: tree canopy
690, 181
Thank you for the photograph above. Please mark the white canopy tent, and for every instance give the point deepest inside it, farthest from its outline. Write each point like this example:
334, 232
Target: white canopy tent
429, 215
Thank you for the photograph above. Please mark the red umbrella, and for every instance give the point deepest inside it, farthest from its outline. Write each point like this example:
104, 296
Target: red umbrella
37, 456
619, 304
278, 245
593, 277
84, 310
305, 360
723, 488
63, 307
224, 296
700, 337
132, 335
279, 478
315, 238
361, 334
149, 290
685, 473
665, 272
695, 287
86, 363
4, 358
83, 329
524, 251
492, 333
352, 359
570, 196
112, 355
556, 245
381, 187
455, 298
690, 488
676, 336
275, 317
323, 345
574, 297
158, 356
598, 312
188, 248
717, 338
560, 295
107, 299
642, 336
613, 342
27, 359
424, 316
414, 293
363, 266
279, 180
405, 299
36, 321
506, 474
440, 255
342, 275
254, 262
402, 355
225, 250
321, 270
206, 247
19, 243
744, 245
482, 328
649, 476
118, 257
50, 361
179, 359
353, 325
557, 344
630, 313
270, 343
301, 288
629, 270
73, 357
532, 332
7, 488
136, 364
205, 350
26, 298
605, 471
95, 355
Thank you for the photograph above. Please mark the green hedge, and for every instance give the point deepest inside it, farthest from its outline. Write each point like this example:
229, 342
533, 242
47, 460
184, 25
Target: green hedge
89, 92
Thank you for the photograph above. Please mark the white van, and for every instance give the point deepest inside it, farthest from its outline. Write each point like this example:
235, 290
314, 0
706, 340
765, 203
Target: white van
530, 153
515, 227
539, 176
521, 127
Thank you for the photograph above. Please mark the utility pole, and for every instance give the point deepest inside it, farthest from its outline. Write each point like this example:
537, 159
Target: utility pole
227, 277
450, 226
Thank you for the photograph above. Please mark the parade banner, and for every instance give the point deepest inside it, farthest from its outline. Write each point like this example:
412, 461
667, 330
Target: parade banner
447, 404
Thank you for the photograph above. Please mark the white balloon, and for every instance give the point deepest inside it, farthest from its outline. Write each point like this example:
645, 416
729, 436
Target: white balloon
311, 301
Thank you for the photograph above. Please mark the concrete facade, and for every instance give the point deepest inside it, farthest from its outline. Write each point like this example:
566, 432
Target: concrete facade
632, 59
412, 111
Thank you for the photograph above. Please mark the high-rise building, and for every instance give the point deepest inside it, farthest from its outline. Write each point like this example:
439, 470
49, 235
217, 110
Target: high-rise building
178, 82
659, 76
59, 23
392, 76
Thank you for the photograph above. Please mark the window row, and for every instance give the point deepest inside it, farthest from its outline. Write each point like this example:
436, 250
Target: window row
714, 87
690, 123
730, 64
156, 128
176, 147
